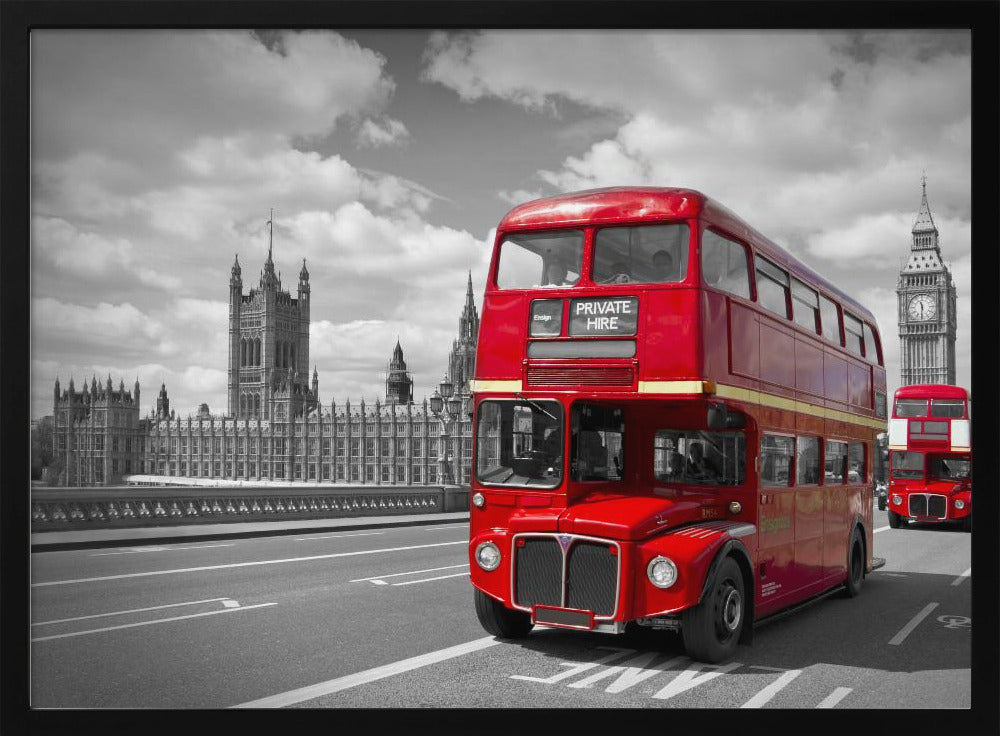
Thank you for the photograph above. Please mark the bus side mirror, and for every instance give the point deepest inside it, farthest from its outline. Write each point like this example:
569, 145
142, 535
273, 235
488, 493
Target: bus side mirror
719, 417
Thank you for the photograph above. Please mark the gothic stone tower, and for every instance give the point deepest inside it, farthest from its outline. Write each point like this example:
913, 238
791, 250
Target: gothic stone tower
268, 344
462, 361
398, 382
926, 299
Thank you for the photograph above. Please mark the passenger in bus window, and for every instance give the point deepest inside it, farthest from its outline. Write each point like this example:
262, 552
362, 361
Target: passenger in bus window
675, 467
593, 456
698, 465
555, 273
663, 266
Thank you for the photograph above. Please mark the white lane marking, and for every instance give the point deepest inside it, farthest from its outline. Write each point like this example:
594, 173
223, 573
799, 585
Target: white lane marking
576, 668
137, 550
122, 613
631, 673
376, 578
243, 564
835, 697
229, 603
914, 622
765, 695
692, 677
151, 623
427, 580
376, 673
961, 578
337, 536
881, 529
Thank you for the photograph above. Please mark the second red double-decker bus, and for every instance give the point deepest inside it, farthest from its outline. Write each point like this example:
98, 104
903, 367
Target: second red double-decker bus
930, 456
674, 423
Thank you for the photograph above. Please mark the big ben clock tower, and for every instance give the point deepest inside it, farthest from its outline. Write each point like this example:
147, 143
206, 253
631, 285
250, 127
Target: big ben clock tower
926, 298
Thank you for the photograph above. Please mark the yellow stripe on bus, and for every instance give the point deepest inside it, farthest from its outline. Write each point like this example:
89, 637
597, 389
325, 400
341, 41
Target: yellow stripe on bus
512, 386
780, 402
676, 387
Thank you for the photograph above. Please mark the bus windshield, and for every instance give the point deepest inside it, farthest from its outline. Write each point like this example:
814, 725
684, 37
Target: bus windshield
691, 456
947, 408
907, 464
529, 260
951, 467
519, 443
906, 408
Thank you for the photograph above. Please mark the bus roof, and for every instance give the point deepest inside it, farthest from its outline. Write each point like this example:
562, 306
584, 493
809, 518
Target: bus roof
931, 391
618, 204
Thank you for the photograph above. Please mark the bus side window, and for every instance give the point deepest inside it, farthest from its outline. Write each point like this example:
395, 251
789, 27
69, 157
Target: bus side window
854, 334
856, 472
830, 319
772, 287
873, 348
776, 460
836, 461
724, 264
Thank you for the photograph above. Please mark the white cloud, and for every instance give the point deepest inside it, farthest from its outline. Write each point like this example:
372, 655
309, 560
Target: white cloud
382, 132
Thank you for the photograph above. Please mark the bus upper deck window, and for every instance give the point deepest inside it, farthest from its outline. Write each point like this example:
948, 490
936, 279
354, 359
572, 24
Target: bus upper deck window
645, 254
529, 260
724, 264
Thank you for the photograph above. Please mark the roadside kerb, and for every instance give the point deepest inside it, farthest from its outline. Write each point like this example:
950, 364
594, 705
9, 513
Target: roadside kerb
143, 536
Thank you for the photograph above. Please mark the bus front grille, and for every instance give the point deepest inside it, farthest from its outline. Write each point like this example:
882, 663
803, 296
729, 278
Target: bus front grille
923, 504
621, 376
591, 573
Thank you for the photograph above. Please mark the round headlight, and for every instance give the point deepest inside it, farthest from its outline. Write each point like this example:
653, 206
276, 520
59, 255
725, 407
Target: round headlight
662, 572
896, 500
488, 556
959, 504
478, 500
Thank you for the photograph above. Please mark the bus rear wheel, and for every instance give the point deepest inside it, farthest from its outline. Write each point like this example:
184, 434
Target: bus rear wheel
711, 630
499, 620
896, 521
855, 566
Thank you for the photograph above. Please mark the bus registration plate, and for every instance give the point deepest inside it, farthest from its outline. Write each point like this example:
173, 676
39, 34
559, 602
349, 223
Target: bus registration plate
569, 618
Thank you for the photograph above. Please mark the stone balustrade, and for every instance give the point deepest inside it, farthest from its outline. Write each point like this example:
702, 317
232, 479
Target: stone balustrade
103, 508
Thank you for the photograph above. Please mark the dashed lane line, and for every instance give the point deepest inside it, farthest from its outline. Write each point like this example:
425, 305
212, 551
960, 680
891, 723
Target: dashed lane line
961, 578
339, 684
831, 700
427, 580
130, 610
232, 565
881, 529
154, 622
914, 622
376, 578
337, 536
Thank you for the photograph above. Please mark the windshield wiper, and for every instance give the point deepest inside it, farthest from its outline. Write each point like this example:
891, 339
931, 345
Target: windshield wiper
539, 407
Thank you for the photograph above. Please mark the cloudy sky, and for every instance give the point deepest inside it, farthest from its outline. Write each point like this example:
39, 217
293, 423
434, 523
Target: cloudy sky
389, 156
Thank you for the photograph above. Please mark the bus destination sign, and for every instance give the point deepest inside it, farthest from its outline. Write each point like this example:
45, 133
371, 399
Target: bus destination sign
609, 316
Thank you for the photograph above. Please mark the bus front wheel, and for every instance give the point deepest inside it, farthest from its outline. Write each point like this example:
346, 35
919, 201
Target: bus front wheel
711, 630
499, 620
896, 521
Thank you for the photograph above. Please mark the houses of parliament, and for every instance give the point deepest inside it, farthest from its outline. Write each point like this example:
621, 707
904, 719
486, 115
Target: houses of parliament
276, 427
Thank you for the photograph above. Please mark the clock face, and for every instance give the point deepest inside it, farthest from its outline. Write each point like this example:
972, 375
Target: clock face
922, 307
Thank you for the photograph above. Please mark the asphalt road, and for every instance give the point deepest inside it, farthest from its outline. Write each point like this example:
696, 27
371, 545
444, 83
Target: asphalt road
384, 618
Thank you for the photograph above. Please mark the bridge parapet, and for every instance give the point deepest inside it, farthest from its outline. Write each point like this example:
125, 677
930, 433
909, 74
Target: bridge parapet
103, 508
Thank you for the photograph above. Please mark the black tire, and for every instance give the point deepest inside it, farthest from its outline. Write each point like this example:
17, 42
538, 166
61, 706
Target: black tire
855, 565
499, 620
896, 521
711, 630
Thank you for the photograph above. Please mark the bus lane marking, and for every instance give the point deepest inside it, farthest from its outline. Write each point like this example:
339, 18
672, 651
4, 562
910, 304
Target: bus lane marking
914, 622
125, 612
577, 668
427, 580
695, 675
311, 692
232, 565
767, 694
961, 578
630, 673
881, 529
831, 700
154, 622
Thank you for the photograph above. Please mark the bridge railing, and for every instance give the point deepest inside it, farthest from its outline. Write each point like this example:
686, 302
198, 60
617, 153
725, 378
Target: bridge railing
102, 508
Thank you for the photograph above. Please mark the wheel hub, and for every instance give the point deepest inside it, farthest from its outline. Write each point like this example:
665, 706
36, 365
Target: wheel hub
732, 610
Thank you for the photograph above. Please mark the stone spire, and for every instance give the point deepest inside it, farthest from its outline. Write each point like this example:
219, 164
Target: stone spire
924, 223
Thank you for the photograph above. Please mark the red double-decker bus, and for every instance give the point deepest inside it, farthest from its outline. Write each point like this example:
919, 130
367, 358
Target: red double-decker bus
674, 423
930, 456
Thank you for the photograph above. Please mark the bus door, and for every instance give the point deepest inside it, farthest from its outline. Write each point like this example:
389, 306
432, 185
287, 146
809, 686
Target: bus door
776, 517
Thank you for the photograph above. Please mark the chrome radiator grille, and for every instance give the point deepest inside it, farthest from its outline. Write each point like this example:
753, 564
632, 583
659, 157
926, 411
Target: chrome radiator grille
928, 504
584, 575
